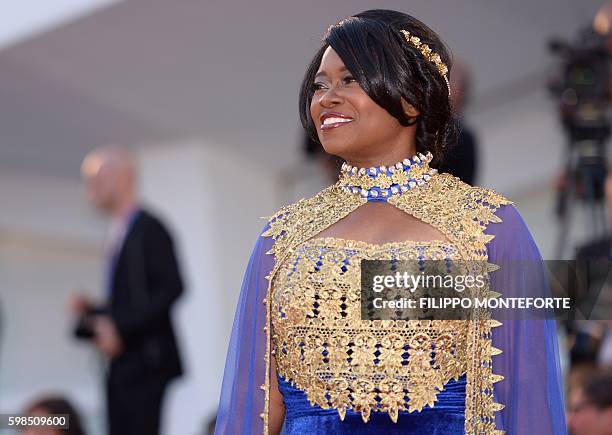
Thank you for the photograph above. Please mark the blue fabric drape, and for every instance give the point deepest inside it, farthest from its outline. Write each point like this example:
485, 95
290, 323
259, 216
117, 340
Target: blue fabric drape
531, 389
242, 399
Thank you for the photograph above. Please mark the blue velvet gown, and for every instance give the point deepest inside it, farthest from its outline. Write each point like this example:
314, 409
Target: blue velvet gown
447, 418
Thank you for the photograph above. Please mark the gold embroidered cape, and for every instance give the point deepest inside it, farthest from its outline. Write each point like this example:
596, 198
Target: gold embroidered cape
459, 211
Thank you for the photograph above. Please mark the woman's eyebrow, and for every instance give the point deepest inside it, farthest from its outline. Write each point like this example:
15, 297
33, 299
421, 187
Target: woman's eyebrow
323, 73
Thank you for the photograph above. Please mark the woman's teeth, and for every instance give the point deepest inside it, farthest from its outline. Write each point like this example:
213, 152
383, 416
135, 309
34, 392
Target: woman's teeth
328, 121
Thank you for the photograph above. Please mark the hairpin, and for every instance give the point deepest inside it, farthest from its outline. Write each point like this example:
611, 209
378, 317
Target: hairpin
429, 54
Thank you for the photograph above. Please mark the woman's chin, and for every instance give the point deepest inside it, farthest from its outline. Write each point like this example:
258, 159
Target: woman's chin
337, 149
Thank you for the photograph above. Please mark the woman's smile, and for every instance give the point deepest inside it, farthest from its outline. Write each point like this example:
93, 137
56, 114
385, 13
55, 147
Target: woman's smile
333, 120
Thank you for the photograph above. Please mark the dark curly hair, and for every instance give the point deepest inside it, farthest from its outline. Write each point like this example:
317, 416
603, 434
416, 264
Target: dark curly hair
388, 68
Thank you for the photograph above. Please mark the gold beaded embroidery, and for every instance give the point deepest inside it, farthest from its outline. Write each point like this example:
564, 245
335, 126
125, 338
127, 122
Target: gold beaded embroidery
316, 322
322, 344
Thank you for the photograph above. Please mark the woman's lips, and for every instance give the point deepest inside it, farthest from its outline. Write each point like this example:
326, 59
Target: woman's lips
325, 127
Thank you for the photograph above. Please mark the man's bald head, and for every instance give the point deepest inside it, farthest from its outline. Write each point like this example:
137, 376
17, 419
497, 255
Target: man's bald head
110, 173
602, 24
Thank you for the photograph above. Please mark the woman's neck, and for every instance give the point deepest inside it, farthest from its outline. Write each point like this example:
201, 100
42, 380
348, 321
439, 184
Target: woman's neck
387, 159
377, 161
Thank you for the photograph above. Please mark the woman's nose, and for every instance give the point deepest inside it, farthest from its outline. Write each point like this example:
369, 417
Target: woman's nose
330, 97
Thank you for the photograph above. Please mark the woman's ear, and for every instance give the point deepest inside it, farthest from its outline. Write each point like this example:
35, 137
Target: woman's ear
409, 109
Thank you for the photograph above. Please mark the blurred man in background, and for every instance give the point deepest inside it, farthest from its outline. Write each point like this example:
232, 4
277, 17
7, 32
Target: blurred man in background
589, 409
461, 157
132, 328
49, 406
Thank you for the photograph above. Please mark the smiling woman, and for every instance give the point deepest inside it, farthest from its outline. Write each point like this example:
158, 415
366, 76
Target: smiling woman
301, 358
384, 83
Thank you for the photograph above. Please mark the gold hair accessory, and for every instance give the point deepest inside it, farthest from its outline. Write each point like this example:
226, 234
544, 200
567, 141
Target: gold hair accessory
430, 55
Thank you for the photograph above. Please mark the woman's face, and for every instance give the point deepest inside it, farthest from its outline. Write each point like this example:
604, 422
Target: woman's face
357, 129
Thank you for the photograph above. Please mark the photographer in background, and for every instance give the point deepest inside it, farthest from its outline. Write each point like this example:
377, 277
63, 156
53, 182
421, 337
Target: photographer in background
582, 89
133, 328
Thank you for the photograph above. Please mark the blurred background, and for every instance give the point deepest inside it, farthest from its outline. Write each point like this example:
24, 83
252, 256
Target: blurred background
205, 95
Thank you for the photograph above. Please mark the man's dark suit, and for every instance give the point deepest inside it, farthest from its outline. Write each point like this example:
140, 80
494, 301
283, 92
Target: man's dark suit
145, 283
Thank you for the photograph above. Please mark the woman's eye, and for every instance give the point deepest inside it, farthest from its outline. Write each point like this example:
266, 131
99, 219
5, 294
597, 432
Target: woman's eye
319, 86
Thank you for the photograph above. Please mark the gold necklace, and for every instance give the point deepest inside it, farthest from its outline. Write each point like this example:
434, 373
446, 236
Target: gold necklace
378, 183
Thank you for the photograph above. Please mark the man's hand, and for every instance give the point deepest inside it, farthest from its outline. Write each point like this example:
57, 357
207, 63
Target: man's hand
79, 304
106, 337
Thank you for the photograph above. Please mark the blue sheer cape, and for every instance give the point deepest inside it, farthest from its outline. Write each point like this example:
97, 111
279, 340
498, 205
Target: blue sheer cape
531, 390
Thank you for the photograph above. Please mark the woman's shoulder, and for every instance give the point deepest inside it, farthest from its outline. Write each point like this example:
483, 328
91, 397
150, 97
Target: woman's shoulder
287, 220
498, 221
501, 205
303, 204
446, 184
454, 204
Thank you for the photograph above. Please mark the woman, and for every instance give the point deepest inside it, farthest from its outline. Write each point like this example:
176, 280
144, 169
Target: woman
301, 360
